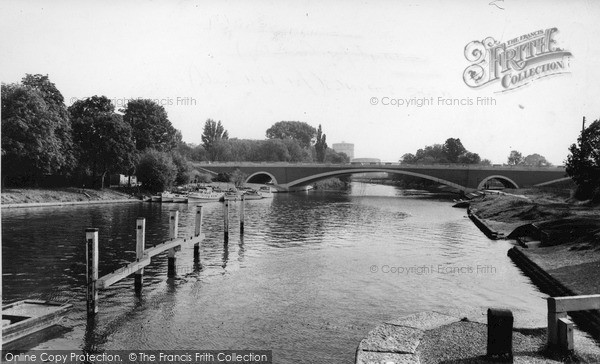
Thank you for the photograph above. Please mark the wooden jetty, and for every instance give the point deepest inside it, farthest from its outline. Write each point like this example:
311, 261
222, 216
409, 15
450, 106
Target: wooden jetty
143, 256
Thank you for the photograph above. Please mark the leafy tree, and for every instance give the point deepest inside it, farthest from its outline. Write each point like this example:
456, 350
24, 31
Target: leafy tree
238, 178
583, 164
515, 158
213, 132
103, 140
296, 130
331, 156
156, 170
184, 172
408, 158
321, 145
469, 158
273, 150
453, 150
485, 162
36, 130
536, 160
151, 126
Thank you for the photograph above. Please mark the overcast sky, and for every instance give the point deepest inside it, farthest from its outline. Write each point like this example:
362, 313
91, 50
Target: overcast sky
251, 64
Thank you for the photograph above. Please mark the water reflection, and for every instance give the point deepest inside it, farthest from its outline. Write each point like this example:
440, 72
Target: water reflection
298, 280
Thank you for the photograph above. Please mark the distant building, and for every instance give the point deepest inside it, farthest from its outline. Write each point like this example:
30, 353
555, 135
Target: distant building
121, 180
343, 147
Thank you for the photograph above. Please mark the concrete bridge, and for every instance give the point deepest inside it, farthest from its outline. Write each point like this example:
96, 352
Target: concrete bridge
295, 176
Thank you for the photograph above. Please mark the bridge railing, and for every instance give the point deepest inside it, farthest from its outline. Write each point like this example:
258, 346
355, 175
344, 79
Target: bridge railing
377, 164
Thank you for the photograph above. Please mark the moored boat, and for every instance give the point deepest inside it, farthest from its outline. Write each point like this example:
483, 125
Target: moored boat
205, 194
26, 317
265, 192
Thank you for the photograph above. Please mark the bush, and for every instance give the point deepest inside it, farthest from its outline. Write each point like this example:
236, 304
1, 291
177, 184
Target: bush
156, 171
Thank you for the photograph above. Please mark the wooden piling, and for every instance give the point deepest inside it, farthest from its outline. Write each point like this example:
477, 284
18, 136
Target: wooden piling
139, 252
226, 221
242, 203
173, 229
197, 232
91, 255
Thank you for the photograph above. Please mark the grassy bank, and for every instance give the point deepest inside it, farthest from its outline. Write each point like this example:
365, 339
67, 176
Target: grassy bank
50, 195
569, 231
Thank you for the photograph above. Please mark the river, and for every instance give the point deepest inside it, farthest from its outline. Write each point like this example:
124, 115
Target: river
313, 273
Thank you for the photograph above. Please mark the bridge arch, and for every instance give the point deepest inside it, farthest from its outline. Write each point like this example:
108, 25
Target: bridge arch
316, 177
506, 182
261, 177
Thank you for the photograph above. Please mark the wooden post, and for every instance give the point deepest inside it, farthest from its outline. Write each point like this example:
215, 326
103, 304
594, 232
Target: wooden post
91, 256
226, 220
139, 252
242, 203
565, 334
553, 318
173, 229
198, 232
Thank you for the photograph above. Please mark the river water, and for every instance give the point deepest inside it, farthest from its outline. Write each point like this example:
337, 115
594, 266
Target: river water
313, 273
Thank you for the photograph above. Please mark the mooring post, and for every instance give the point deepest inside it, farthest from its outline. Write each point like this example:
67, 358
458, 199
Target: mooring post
173, 229
198, 232
91, 256
242, 203
139, 252
226, 220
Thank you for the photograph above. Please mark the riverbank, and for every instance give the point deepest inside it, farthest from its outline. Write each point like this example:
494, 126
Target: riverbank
432, 337
15, 197
559, 241
562, 235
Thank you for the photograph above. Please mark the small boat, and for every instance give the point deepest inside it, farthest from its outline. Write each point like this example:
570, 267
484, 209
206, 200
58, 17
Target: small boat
205, 193
26, 317
172, 197
231, 195
461, 203
252, 195
265, 192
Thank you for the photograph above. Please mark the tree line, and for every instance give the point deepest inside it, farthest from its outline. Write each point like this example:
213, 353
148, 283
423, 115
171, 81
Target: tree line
46, 142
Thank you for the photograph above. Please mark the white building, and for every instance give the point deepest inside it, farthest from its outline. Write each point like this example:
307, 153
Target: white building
343, 147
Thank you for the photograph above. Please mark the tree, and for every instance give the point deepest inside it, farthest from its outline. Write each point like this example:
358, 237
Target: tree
321, 145
536, 160
297, 130
213, 132
238, 178
583, 164
150, 125
485, 162
331, 156
36, 131
102, 139
273, 150
469, 158
515, 158
453, 150
184, 172
156, 170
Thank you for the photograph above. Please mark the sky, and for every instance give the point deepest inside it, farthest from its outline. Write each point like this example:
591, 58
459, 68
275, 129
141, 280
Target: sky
351, 66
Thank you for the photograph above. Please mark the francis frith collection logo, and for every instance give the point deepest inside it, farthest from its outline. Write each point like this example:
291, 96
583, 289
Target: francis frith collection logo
516, 62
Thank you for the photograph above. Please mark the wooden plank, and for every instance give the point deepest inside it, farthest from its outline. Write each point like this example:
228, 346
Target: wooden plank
112, 278
574, 303
157, 249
